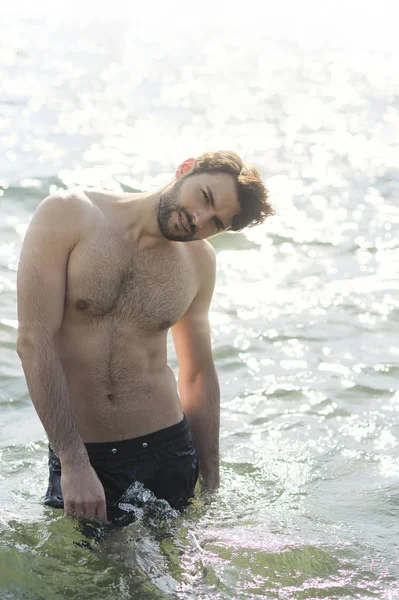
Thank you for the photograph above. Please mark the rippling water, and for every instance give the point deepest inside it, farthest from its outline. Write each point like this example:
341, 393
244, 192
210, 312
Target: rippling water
306, 309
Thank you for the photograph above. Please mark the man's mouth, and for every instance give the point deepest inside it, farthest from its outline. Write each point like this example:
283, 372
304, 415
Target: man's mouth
184, 222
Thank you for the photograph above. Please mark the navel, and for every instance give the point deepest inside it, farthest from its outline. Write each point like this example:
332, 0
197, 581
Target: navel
82, 305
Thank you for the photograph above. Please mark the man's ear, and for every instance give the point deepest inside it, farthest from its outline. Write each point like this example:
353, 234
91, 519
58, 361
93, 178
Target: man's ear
185, 167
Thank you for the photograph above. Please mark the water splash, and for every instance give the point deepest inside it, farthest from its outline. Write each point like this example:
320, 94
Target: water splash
138, 502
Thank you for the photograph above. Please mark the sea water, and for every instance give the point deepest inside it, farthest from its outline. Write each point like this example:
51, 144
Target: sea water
305, 315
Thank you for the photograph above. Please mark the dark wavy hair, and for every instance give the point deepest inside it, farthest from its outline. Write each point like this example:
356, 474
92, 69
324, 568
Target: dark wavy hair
251, 191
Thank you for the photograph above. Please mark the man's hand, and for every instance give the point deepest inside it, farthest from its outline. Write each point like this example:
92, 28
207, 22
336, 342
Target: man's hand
210, 477
83, 492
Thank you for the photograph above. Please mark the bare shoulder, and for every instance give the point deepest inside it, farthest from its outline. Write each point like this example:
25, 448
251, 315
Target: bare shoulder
203, 253
64, 209
203, 258
101, 197
71, 201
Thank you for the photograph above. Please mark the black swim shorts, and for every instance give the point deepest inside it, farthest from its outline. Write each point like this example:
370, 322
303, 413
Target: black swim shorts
165, 461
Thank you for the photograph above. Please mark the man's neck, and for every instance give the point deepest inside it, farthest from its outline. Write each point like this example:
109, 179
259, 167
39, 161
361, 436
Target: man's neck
139, 214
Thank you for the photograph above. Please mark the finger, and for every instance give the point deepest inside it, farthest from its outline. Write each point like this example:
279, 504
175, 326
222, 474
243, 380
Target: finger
102, 512
69, 508
80, 509
90, 509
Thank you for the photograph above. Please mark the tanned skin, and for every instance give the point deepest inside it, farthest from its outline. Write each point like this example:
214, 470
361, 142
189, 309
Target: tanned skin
102, 278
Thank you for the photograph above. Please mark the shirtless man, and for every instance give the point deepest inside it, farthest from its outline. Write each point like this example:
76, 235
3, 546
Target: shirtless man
101, 279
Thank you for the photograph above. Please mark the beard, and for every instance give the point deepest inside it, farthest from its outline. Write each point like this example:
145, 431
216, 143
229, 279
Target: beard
167, 207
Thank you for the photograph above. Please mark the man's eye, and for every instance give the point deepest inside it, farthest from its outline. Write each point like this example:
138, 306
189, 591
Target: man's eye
207, 199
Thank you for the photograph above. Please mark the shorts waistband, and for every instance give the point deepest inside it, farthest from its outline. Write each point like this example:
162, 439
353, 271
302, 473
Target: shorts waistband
151, 441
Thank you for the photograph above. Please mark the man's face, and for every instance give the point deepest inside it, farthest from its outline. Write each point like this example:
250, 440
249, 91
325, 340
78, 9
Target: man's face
197, 207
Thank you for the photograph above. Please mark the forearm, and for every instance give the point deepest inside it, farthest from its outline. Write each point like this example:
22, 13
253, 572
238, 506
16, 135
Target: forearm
48, 389
200, 398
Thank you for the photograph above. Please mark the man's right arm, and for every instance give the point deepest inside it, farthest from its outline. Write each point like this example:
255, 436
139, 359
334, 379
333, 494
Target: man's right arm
54, 231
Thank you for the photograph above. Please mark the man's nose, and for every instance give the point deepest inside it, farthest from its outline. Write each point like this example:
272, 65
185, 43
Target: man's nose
201, 216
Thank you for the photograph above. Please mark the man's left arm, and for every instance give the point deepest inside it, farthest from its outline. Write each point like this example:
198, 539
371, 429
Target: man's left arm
198, 382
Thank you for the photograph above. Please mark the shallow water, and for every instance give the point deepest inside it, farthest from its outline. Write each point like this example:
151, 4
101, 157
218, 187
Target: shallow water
306, 308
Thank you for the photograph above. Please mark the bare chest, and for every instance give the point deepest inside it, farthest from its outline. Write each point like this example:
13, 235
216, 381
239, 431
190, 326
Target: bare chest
108, 279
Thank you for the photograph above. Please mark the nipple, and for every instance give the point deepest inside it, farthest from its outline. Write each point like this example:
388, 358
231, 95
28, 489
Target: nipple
82, 304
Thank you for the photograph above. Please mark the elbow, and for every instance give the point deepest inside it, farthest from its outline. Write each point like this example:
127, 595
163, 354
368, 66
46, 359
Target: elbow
198, 375
191, 379
25, 346
200, 380
29, 341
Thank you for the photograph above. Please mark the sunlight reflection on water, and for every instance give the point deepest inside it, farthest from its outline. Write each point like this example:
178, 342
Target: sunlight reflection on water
305, 312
